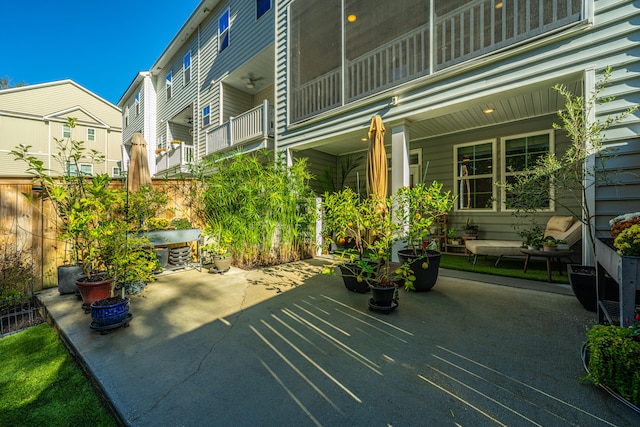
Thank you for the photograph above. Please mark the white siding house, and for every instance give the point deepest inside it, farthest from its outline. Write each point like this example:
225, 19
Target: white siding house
210, 91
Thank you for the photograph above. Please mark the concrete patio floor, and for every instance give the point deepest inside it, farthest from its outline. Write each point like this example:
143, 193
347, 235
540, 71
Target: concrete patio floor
287, 346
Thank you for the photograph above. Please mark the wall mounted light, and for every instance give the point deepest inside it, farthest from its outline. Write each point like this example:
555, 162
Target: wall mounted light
394, 100
488, 109
352, 18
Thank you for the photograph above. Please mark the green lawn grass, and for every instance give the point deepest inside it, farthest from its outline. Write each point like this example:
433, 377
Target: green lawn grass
41, 385
508, 267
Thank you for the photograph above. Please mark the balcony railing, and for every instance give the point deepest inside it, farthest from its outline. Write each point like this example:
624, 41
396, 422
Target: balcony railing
175, 158
251, 125
475, 29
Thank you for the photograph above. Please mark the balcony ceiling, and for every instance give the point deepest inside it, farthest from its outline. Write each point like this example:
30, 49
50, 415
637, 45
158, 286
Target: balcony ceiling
260, 69
514, 105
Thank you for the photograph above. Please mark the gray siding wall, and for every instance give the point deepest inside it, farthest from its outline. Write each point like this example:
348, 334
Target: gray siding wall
610, 41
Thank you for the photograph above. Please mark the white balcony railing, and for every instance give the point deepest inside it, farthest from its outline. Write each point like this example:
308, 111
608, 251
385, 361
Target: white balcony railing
476, 28
175, 158
251, 125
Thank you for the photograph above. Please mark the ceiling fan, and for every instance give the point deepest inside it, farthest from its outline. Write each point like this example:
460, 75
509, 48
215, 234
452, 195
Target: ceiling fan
251, 81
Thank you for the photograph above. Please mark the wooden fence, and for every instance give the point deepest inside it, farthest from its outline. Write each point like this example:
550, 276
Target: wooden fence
32, 225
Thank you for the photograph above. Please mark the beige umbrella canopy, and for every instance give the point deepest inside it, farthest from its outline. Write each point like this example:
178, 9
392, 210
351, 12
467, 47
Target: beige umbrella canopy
139, 174
377, 159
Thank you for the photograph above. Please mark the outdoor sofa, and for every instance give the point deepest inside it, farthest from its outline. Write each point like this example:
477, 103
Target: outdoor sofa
560, 227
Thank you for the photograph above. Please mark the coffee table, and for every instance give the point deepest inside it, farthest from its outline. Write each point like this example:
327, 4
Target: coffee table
551, 256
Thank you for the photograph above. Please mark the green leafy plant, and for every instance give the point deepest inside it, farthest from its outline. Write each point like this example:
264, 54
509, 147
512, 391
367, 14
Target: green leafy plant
531, 236
418, 207
64, 186
266, 204
614, 360
157, 223
218, 242
180, 223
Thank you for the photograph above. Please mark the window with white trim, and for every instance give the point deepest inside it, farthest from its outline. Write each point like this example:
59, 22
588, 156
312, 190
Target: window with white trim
186, 68
137, 104
262, 7
223, 31
126, 116
91, 134
519, 154
206, 115
169, 82
86, 169
475, 174
66, 131
116, 172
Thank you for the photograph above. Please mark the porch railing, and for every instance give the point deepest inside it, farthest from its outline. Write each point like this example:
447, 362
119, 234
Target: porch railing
476, 28
251, 125
175, 158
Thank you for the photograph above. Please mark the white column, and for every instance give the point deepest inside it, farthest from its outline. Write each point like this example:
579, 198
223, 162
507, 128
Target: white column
399, 167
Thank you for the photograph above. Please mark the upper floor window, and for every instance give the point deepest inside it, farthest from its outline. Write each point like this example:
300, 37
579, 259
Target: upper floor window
91, 134
206, 116
126, 116
475, 175
262, 7
66, 131
169, 83
186, 65
223, 31
520, 153
137, 104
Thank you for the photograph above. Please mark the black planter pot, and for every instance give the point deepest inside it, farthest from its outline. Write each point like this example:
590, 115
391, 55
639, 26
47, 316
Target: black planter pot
384, 296
162, 253
425, 277
67, 276
350, 282
582, 279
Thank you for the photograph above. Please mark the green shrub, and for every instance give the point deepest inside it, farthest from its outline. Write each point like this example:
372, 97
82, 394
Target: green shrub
614, 360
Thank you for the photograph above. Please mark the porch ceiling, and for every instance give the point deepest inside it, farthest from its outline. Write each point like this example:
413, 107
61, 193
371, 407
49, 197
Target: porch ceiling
260, 69
514, 105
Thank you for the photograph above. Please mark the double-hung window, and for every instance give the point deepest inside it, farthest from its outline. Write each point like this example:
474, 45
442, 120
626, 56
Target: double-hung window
223, 31
186, 65
520, 153
475, 174
169, 83
137, 103
206, 115
66, 131
262, 7
86, 169
91, 134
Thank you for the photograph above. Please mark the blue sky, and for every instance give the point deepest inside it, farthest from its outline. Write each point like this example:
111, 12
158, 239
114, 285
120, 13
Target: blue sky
99, 45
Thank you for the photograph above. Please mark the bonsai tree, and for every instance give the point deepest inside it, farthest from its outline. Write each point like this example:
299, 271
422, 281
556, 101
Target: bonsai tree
580, 168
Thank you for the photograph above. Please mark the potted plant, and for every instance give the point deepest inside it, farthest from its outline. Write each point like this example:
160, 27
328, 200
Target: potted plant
549, 244
217, 244
110, 255
469, 228
418, 209
160, 152
63, 187
611, 357
371, 223
451, 235
175, 144
531, 237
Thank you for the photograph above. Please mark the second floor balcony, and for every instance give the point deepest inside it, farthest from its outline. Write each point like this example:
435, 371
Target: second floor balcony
385, 44
253, 126
174, 159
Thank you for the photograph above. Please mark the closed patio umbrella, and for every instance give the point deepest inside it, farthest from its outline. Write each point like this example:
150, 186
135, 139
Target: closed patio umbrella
139, 174
377, 159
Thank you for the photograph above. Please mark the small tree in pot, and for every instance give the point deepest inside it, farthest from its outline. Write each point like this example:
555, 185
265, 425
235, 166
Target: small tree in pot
417, 209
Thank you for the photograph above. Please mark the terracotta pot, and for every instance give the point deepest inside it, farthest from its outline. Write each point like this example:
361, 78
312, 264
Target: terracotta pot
94, 290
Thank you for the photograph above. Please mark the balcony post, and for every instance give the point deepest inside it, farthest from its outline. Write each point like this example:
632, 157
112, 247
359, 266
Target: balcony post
265, 119
230, 132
